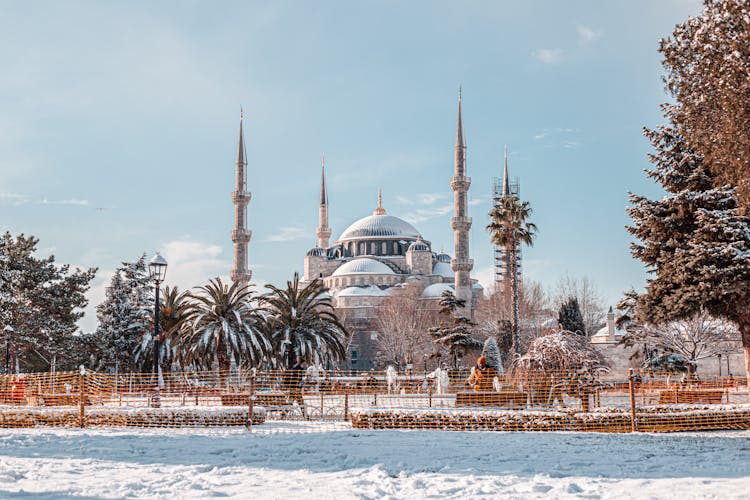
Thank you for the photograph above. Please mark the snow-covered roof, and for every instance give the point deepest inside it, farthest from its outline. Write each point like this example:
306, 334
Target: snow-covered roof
362, 291
379, 226
442, 269
363, 266
436, 290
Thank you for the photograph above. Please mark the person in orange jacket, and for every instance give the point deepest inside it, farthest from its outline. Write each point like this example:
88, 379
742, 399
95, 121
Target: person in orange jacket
482, 375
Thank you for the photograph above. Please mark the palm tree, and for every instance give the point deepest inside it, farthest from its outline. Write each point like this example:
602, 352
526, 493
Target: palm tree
220, 326
508, 228
303, 323
171, 317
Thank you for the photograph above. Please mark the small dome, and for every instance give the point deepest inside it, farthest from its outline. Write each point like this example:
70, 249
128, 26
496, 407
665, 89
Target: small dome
362, 291
442, 269
602, 335
444, 257
419, 246
363, 266
477, 286
317, 252
436, 291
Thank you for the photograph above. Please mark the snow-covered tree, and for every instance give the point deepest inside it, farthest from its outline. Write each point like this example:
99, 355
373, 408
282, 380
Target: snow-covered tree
694, 241
707, 63
455, 335
302, 323
698, 337
557, 363
220, 326
491, 352
125, 316
569, 316
42, 302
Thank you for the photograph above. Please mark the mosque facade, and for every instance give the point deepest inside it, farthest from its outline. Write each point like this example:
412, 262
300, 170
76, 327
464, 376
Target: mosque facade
381, 253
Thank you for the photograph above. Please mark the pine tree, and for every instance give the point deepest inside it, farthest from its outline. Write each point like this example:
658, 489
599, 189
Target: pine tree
125, 316
455, 336
42, 302
693, 240
707, 63
491, 352
570, 318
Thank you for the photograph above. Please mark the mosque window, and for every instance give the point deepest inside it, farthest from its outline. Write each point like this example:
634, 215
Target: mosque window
384, 248
361, 249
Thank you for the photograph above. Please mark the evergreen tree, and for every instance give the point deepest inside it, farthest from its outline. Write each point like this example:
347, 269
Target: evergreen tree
125, 316
694, 241
570, 318
42, 302
492, 353
456, 336
707, 62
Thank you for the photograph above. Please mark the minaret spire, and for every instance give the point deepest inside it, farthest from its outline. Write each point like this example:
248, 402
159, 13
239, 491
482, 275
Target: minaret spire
461, 222
323, 232
380, 210
506, 178
241, 197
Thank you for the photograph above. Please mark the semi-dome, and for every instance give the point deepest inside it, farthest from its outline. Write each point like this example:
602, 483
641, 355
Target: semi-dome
442, 269
317, 252
363, 266
379, 226
436, 291
419, 246
444, 257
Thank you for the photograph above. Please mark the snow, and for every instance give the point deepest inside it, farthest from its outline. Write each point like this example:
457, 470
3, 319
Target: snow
370, 464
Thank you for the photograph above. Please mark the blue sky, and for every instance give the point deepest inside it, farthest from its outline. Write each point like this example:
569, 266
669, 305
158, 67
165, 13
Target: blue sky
118, 125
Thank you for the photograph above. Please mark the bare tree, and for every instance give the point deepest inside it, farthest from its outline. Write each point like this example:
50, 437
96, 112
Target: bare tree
697, 337
403, 320
493, 315
589, 298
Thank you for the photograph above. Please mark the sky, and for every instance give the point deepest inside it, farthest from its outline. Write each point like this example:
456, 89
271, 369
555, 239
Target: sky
119, 122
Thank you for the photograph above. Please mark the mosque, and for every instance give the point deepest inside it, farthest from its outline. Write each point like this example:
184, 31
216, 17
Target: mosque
375, 256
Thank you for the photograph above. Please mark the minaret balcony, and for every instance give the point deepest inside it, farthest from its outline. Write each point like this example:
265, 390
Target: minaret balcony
243, 275
241, 197
465, 265
241, 235
460, 183
461, 223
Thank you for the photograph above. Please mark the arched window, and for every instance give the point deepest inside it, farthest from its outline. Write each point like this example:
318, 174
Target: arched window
384, 247
361, 249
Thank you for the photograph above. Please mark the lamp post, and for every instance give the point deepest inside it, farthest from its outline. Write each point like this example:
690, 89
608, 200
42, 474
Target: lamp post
425, 356
157, 270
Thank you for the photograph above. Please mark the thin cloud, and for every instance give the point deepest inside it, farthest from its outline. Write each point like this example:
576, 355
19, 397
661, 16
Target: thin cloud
14, 199
587, 35
549, 56
288, 234
425, 214
422, 198
71, 201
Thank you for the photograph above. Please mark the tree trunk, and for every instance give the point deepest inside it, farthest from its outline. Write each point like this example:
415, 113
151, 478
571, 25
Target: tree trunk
745, 332
515, 342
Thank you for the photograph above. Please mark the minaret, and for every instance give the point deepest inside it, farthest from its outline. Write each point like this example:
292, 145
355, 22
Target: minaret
461, 222
323, 232
241, 197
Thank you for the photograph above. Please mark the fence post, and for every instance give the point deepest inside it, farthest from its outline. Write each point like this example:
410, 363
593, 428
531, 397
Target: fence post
251, 400
82, 396
346, 405
631, 387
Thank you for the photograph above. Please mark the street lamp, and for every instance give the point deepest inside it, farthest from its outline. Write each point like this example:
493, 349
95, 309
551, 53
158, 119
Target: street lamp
157, 270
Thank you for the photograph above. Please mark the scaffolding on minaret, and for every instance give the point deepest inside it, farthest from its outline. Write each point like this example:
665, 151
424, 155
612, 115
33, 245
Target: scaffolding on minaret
502, 189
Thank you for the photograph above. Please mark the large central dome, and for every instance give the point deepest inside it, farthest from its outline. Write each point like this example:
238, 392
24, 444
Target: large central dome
380, 226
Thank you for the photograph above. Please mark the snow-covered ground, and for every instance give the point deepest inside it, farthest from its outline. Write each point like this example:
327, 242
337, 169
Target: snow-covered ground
73, 463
